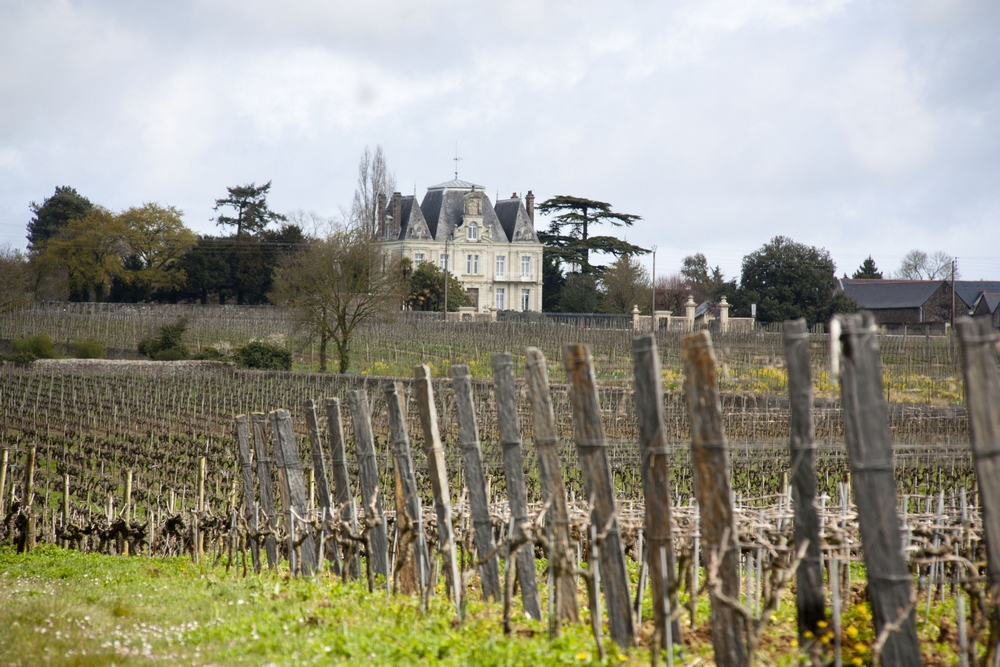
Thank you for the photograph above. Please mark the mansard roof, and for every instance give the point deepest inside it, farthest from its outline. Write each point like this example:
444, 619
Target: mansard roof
515, 221
443, 207
412, 223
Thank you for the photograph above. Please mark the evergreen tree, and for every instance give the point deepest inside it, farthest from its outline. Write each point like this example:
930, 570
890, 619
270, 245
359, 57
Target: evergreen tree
569, 237
788, 280
868, 270
53, 214
252, 213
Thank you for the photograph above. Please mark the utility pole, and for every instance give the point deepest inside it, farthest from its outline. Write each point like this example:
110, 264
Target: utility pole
953, 294
447, 265
652, 312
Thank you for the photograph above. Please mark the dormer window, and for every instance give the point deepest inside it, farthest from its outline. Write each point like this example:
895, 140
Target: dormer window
473, 232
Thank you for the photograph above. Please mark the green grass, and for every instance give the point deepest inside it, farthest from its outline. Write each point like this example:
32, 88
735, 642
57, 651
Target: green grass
60, 607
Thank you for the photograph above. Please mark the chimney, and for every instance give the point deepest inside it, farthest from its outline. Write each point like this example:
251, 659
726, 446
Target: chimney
397, 213
529, 202
380, 212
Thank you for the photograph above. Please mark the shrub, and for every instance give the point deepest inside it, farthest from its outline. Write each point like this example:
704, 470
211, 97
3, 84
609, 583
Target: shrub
263, 356
170, 354
168, 346
89, 348
210, 353
38, 346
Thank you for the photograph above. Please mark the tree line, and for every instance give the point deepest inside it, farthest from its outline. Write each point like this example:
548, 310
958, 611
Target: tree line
83, 251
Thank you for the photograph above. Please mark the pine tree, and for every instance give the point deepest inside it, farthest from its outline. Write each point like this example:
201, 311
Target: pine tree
868, 270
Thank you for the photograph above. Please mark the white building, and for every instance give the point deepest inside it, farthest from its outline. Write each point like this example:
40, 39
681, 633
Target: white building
493, 250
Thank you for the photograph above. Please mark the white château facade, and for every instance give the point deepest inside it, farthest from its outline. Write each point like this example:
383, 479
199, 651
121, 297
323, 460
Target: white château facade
493, 250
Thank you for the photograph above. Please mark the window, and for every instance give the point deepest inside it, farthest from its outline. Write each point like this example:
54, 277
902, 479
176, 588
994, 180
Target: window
501, 266
473, 231
525, 266
443, 261
472, 264
525, 299
500, 295
418, 257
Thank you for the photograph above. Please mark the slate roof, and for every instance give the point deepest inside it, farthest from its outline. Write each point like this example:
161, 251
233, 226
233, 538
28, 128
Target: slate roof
969, 290
885, 294
444, 204
514, 220
992, 300
456, 184
412, 224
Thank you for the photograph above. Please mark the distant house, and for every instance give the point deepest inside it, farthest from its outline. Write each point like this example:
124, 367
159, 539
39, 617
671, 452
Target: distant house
492, 249
904, 302
970, 290
988, 305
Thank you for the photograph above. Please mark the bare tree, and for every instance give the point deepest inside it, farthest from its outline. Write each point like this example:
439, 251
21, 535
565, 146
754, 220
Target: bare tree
918, 265
15, 277
374, 179
338, 284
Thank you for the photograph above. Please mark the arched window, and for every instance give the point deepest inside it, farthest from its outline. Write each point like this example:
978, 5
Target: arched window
473, 231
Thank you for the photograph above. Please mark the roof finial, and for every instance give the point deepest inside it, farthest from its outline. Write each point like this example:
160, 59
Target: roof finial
456, 158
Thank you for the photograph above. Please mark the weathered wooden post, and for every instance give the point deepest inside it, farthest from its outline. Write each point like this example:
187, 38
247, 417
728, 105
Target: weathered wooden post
65, 506
128, 508
439, 476
472, 458
869, 452
3, 481
284, 437
591, 448
546, 439
341, 480
246, 472
510, 441
368, 474
319, 470
809, 575
410, 536
710, 459
265, 488
982, 393
654, 457
202, 471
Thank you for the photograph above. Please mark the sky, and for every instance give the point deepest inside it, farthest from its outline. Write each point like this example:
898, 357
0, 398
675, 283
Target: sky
863, 127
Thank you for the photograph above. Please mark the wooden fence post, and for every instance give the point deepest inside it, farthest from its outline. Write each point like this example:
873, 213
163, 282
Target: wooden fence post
472, 458
654, 457
284, 435
591, 448
243, 441
368, 474
319, 471
982, 393
3, 481
510, 441
869, 452
65, 508
809, 575
710, 459
265, 487
546, 438
439, 477
341, 479
127, 509
413, 576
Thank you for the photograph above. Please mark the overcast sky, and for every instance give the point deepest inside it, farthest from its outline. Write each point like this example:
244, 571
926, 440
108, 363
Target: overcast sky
861, 127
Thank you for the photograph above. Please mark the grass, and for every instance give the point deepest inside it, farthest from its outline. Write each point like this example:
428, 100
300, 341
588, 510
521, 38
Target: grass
61, 607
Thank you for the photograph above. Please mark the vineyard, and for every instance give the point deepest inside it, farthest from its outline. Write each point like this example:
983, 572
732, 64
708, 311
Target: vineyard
917, 369
144, 458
